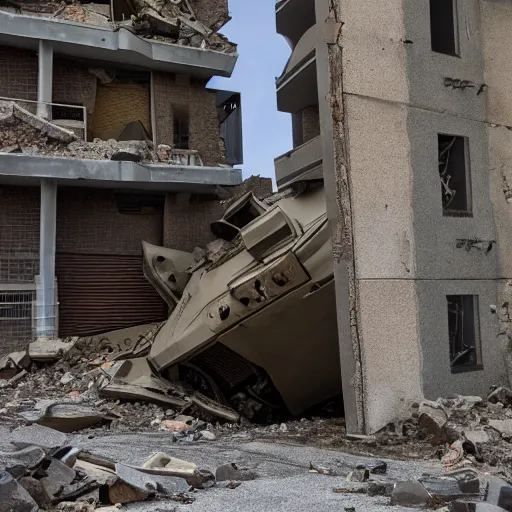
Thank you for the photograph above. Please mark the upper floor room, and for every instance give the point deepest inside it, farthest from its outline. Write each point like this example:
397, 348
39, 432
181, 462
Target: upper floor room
177, 36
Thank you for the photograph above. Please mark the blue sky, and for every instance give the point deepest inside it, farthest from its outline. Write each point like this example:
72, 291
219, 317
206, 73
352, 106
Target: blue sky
263, 55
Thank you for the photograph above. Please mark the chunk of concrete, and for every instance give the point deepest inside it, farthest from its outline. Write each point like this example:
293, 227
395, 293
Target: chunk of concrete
37, 491
102, 475
231, 471
48, 350
477, 436
501, 395
380, 488
37, 435
29, 457
136, 479
433, 418
59, 475
410, 494
499, 493
13, 497
504, 427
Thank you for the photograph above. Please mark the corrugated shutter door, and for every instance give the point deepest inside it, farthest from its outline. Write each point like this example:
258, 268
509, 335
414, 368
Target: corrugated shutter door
99, 293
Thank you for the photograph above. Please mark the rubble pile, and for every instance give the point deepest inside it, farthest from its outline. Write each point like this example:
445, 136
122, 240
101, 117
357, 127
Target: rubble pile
168, 21
25, 133
43, 470
103, 381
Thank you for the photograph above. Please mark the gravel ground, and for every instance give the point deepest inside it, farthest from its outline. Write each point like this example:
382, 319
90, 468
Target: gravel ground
284, 483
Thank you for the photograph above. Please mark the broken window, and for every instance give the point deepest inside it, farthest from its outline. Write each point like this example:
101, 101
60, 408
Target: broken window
444, 27
454, 173
180, 126
463, 332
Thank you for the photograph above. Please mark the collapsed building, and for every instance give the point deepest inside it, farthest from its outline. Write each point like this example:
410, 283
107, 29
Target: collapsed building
108, 136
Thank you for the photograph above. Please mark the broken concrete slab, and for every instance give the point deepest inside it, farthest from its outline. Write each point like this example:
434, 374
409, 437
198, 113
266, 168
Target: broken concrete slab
29, 458
380, 488
501, 395
65, 417
477, 436
433, 418
37, 435
410, 494
102, 475
13, 497
136, 479
504, 427
499, 493
48, 350
9, 109
37, 491
59, 475
231, 471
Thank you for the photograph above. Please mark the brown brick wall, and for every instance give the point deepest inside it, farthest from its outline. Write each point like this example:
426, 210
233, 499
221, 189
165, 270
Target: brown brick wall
187, 222
187, 219
310, 123
88, 221
204, 128
19, 234
18, 73
210, 12
73, 84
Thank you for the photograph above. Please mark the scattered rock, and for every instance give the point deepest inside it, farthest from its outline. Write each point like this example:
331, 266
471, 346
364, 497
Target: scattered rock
410, 494
207, 435
13, 497
380, 488
36, 435
360, 474
504, 427
232, 472
433, 418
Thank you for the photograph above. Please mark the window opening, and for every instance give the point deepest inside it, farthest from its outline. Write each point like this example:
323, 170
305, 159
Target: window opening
454, 174
463, 332
444, 27
181, 127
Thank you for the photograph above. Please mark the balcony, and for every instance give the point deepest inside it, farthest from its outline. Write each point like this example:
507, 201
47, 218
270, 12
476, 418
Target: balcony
297, 87
302, 163
294, 18
81, 40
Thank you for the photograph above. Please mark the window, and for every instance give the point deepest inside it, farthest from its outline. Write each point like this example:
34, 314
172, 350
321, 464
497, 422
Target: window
181, 126
464, 333
444, 31
454, 174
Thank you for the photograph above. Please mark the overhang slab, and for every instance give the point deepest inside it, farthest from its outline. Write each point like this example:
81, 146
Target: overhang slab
27, 170
103, 44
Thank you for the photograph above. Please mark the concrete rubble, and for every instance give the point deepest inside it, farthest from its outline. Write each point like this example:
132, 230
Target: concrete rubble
170, 21
25, 133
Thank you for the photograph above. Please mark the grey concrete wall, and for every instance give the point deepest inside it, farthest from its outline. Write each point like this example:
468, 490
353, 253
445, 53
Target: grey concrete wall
433, 328
391, 349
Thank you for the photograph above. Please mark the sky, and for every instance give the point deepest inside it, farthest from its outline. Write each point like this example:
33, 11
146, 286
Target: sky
263, 54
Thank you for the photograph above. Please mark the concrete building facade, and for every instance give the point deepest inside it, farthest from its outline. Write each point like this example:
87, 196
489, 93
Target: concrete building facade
72, 217
412, 140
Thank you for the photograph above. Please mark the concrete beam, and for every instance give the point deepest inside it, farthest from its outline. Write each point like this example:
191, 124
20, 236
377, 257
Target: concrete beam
114, 174
46, 296
123, 47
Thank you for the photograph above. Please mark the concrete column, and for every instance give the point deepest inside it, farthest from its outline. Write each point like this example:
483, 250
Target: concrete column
46, 296
338, 201
45, 79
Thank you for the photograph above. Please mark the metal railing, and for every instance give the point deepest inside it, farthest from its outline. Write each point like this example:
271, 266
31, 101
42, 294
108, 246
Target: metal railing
34, 106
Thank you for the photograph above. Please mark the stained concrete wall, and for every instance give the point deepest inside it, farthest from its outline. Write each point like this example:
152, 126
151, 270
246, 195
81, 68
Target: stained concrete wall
406, 256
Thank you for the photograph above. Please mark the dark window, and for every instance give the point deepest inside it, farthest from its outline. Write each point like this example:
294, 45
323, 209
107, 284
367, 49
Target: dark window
454, 174
463, 332
443, 27
15, 305
181, 126
69, 113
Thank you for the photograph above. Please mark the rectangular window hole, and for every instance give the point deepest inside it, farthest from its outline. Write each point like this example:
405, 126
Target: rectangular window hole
180, 126
453, 161
444, 31
464, 333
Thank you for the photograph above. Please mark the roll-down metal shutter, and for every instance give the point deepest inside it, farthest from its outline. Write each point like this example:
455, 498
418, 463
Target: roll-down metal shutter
99, 293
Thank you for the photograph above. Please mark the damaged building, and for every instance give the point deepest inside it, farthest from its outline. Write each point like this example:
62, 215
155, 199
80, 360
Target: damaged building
108, 137
402, 109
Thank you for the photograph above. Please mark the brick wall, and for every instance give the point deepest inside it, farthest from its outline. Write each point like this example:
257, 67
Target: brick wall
19, 234
187, 219
88, 221
18, 73
73, 84
210, 12
169, 90
310, 123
